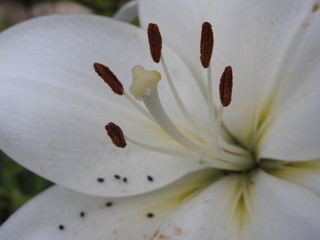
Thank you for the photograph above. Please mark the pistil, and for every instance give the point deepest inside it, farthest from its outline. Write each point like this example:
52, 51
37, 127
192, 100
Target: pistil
144, 87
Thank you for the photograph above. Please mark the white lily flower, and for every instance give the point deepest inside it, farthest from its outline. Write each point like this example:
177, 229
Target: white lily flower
191, 167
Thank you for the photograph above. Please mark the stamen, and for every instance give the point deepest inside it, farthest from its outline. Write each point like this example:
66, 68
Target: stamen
225, 90
109, 78
218, 131
225, 151
211, 106
225, 87
169, 151
206, 48
155, 41
177, 98
116, 135
206, 44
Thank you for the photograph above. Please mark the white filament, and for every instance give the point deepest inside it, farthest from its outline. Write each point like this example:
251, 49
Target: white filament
216, 153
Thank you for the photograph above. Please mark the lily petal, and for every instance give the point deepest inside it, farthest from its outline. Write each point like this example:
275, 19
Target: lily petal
54, 107
70, 215
208, 216
283, 210
252, 37
293, 133
128, 12
304, 173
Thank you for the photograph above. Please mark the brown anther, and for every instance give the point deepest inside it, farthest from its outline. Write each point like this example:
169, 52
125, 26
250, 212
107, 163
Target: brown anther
116, 135
109, 78
155, 41
225, 87
315, 7
206, 44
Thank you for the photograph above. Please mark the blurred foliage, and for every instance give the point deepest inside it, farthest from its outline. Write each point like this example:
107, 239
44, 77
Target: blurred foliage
17, 184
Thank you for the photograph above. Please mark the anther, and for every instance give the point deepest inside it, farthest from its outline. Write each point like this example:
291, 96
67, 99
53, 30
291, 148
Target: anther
155, 41
61, 227
206, 44
116, 135
225, 87
315, 7
109, 78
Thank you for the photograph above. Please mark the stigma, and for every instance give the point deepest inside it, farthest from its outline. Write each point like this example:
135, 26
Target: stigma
144, 83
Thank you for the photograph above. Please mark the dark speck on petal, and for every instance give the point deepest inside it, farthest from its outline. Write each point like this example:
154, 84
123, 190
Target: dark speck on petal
100, 180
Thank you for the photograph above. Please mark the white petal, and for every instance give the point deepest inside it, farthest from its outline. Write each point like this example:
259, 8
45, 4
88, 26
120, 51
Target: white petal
126, 218
128, 12
208, 216
294, 133
306, 174
275, 209
54, 107
283, 210
252, 37
278, 210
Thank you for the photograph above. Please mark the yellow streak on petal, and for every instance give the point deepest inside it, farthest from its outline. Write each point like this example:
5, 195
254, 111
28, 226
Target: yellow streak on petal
296, 172
186, 191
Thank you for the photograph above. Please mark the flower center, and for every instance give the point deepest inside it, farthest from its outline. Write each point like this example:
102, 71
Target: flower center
220, 150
